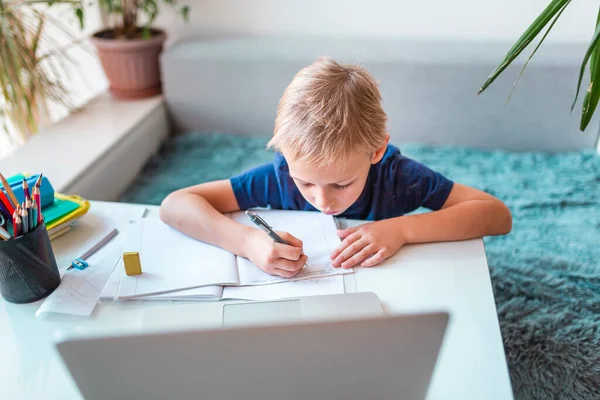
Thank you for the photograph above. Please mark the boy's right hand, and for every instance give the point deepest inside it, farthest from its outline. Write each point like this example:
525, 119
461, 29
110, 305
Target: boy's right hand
276, 258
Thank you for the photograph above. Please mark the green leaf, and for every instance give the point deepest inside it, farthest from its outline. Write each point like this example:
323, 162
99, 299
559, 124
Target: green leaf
537, 47
36, 38
27, 86
79, 14
593, 59
593, 93
588, 53
534, 29
185, 13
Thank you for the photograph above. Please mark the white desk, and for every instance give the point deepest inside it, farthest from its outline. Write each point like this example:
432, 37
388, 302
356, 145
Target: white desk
445, 276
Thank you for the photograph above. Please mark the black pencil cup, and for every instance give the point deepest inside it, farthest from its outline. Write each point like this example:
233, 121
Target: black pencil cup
28, 270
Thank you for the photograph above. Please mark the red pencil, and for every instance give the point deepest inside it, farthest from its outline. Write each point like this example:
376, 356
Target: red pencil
38, 202
38, 182
6, 202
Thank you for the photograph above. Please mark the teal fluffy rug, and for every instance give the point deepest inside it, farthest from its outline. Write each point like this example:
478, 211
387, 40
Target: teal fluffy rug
545, 273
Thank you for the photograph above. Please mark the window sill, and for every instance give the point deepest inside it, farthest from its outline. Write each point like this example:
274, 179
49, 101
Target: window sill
96, 152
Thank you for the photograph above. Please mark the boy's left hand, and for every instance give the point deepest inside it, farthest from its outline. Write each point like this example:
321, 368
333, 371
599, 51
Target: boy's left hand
367, 245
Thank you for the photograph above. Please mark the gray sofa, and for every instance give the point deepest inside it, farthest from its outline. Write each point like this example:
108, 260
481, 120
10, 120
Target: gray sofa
233, 86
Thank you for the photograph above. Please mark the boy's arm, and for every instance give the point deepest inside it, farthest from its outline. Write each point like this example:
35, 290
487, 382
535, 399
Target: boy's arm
467, 213
197, 211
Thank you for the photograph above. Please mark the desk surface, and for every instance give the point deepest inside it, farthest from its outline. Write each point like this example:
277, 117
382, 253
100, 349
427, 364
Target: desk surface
442, 276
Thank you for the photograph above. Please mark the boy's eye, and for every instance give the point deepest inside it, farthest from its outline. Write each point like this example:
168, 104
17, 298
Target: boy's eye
303, 184
341, 186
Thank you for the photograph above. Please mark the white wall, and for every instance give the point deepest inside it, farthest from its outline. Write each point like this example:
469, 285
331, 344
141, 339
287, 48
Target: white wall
425, 19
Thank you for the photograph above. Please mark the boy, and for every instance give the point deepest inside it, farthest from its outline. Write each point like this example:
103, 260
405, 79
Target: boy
333, 156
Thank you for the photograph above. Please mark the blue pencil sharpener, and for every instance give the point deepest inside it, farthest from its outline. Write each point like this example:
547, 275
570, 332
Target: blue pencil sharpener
79, 264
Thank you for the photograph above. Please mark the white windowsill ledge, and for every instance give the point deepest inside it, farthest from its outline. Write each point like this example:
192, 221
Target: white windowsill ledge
95, 152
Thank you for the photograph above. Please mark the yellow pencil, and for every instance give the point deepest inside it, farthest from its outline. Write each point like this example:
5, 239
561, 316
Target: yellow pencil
11, 195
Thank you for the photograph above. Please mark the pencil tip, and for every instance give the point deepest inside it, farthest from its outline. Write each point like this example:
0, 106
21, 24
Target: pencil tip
39, 180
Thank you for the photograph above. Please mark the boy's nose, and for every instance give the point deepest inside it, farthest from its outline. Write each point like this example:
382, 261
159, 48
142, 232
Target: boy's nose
323, 202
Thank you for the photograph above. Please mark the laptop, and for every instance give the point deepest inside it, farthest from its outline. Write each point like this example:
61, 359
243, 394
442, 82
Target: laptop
322, 351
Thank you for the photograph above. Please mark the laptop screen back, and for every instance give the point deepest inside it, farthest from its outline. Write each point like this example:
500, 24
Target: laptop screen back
389, 357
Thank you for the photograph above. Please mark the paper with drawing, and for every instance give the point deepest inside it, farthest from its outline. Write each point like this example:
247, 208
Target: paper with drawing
319, 237
79, 291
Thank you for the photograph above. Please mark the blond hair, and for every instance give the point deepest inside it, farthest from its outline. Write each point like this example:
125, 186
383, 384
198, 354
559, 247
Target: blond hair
329, 111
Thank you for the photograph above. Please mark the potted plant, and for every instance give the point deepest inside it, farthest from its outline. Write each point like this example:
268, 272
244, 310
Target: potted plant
129, 49
548, 17
32, 68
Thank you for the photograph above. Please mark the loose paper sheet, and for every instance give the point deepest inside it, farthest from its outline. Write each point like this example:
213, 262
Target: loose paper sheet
79, 291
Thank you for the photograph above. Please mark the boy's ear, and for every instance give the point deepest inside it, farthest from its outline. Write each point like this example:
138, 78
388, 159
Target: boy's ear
378, 155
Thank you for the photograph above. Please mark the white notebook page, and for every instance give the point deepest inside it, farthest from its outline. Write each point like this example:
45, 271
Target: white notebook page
173, 261
318, 234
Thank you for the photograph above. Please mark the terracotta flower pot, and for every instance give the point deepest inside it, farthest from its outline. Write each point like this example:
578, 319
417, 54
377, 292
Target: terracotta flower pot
131, 65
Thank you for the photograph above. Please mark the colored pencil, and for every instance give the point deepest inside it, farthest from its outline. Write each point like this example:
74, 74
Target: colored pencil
38, 182
17, 219
16, 223
38, 202
34, 211
6, 204
29, 212
11, 194
25, 188
4, 210
24, 220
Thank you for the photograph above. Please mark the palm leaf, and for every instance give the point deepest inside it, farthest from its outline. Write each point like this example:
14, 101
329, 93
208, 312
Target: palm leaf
527, 37
593, 93
588, 53
536, 48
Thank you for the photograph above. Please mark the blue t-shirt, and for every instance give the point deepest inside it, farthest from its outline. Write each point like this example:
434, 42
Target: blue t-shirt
396, 185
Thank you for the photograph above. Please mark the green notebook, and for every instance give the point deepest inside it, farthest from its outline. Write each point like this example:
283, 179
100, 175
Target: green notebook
59, 209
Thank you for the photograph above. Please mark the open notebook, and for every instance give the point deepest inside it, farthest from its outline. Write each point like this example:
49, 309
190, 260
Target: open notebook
173, 262
307, 287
